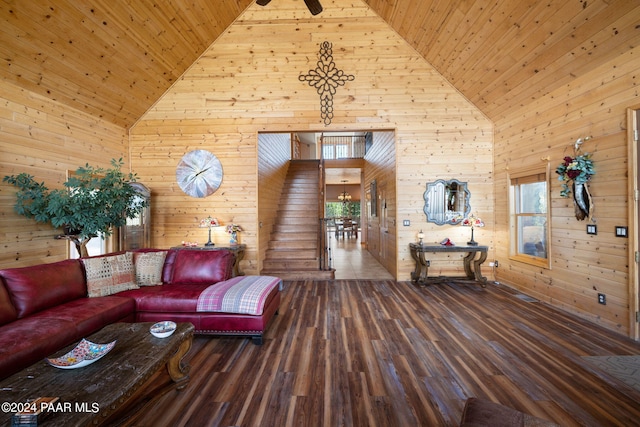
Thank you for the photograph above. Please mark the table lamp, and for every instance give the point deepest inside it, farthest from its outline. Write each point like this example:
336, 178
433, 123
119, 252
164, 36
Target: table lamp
472, 221
209, 222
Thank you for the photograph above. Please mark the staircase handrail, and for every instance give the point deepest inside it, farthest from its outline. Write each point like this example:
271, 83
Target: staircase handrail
325, 259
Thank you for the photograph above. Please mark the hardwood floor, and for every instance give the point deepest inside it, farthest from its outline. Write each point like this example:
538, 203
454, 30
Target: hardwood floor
386, 353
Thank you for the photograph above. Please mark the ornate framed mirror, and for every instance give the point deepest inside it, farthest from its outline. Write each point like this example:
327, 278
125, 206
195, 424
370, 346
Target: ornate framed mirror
447, 202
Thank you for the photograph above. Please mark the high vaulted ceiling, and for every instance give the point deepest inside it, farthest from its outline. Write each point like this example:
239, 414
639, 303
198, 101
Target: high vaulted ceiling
501, 54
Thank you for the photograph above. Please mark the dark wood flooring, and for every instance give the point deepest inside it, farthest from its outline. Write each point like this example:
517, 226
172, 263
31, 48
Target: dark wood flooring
386, 353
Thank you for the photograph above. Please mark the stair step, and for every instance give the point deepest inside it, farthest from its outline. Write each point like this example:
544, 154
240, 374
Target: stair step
284, 254
301, 274
311, 227
307, 190
299, 200
307, 221
286, 236
290, 264
294, 244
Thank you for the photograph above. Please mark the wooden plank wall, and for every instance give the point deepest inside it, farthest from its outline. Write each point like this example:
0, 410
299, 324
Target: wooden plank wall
582, 265
174, 215
45, 139
274, 152
248, 82
380, 165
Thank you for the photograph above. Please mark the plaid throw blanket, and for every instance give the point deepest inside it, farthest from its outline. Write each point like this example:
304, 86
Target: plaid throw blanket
241, 295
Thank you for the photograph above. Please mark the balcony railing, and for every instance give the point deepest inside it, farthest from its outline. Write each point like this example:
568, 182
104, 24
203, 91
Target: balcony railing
343, 147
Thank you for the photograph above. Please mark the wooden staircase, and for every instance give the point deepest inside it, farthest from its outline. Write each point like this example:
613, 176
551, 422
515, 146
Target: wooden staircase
293, 248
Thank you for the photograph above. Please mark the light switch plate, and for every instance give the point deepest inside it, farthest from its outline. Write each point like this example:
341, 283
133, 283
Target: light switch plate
592, 229
621, 231
406, 222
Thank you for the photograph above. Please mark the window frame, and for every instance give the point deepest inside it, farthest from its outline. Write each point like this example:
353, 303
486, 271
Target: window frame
528, 175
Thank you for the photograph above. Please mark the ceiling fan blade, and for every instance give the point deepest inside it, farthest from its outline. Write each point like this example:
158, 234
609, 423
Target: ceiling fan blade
263, 2
314, 6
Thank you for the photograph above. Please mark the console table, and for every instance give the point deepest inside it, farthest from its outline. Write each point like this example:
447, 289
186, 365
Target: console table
238, 251
419, 276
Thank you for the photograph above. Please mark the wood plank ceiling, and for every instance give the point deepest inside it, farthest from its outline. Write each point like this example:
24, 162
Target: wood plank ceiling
114, 59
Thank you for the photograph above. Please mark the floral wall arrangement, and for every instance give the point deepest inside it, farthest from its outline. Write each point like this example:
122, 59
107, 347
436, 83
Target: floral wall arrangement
575, 173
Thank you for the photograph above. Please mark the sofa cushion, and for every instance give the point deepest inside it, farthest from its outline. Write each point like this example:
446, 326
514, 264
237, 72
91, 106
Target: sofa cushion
27, 341
107, 275
148, 267
42, 286
202, 266
91, 314
171, 299
169, 261
8, 312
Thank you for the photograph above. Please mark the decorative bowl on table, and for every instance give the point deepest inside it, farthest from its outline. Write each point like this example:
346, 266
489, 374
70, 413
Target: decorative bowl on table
163, 329
85, 353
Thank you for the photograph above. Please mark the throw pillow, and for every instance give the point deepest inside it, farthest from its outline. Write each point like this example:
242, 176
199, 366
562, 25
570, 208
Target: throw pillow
98, 271
123, 273
148, 267
107, 275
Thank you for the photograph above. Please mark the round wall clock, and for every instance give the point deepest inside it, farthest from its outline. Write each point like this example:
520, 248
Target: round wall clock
199, 173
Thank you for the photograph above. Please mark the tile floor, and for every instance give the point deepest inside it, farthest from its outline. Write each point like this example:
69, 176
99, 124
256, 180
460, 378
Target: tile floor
352, 261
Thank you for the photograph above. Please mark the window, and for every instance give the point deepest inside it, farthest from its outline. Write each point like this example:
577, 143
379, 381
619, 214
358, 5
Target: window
96, 246
529, 216
339, 209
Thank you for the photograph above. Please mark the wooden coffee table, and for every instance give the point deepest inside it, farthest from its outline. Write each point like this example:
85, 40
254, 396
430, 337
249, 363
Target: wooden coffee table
109, 388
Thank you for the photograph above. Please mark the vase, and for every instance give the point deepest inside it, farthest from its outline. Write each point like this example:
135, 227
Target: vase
582, 203
234, 238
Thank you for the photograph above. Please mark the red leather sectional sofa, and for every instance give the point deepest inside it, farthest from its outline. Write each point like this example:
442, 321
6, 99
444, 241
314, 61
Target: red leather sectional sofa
45, 307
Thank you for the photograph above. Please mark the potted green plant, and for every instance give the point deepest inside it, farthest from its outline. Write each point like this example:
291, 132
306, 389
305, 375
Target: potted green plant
93, 201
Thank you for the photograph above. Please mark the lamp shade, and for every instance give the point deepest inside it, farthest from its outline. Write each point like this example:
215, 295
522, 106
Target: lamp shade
209, 222
472, 221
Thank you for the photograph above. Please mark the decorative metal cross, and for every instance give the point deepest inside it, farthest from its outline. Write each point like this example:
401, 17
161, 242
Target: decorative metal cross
326, 78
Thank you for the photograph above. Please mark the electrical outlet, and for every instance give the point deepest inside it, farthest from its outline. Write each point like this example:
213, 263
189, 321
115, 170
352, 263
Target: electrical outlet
602, 299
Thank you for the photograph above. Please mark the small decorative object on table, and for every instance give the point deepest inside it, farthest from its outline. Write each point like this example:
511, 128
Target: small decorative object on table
472, 221
85, 353
420, 237
233, 229
209, 222
163, 329
447, 242
578, 171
